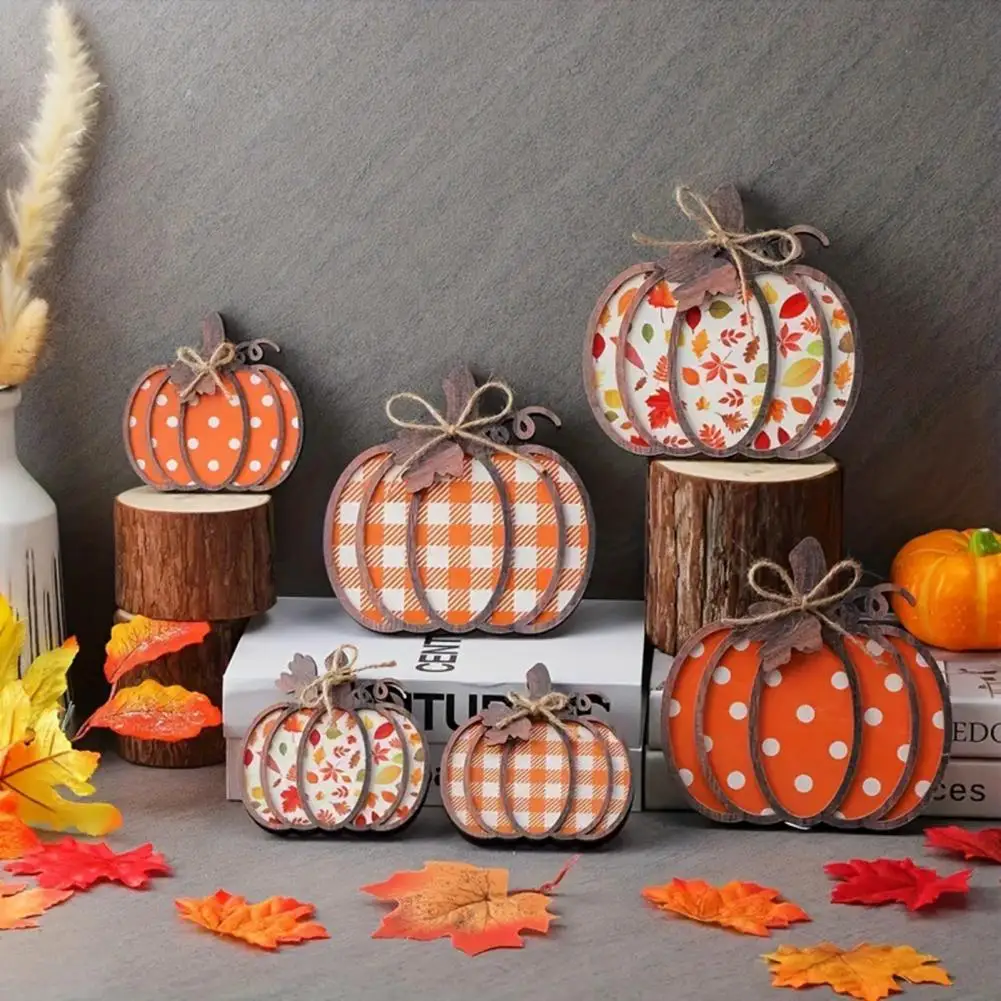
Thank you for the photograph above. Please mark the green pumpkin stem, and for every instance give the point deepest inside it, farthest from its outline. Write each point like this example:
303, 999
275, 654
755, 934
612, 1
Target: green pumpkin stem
983, 542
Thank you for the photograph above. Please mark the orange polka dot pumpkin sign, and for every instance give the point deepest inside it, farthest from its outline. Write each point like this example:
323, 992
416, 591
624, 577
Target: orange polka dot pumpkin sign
340, 755
215, 419
816, 708
537, 768
460, 523
728, 345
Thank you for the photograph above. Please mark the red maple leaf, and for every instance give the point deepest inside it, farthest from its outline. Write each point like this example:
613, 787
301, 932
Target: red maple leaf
661, 409
712, 437
823, 428
788, 342
717, 368
73, 865
885, 881
290, 799
985, 844
660, 296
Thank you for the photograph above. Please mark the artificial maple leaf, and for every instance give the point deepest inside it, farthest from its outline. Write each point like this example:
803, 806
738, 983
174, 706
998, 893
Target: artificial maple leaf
885, 881
700, 342
661, 409
660, 296
744, 907
16, 837
151, 711
867, 972
19, 905
983, 844
73, 865
12, 633
269, 924
843, 375
40, 760
141, 640
469, 905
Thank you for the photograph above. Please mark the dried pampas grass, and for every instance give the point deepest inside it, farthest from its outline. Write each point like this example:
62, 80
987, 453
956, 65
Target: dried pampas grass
53, 154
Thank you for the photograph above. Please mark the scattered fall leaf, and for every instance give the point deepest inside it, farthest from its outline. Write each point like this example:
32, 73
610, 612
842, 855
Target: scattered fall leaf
660, 296
690, 376
141, 640
788, 341
729, 337
16, 837
712, 437
662, 372
598, 344
152, 711
73, 865
839, 318
983, 844
700, 342
613, 399
604, 316
776, 410
732, 398
469, 905
843, 375
801, 372
661, 409
867, 972
702, 403
19, 905
793, 306
744, 907
823, 428
718, 368
734, 422
802, 405
751, 349
885, 881
269, 924
768, 290
625, 301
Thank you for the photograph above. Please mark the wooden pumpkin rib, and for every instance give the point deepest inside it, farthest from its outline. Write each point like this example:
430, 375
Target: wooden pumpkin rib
167, 437
291, 424
513, 758
255, 743
453, 780
284, 817
321, 722
188, 408
383, 809
257, 480
478, 782
590, 368
413, 799
583, 773
138, 434
617, 812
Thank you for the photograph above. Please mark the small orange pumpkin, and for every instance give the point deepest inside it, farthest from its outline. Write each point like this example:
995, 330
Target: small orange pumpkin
955, 578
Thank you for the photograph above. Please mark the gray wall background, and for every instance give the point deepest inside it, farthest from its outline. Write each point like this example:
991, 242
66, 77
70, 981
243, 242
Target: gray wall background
385, 188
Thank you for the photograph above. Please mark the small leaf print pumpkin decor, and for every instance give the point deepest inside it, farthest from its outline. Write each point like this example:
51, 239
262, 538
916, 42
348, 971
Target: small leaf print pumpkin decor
342, 754
458, 524
815, 708
215, 419
725, 346
536, 769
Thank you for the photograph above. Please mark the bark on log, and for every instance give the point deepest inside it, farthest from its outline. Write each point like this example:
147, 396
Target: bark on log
193, 557
709, 520
198, 668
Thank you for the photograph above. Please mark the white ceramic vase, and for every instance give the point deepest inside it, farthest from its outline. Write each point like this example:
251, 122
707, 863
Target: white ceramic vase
30, 573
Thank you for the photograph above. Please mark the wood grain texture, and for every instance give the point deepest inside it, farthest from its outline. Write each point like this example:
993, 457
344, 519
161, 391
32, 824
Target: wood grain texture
463, 187
199, 668
191, 557
708, 521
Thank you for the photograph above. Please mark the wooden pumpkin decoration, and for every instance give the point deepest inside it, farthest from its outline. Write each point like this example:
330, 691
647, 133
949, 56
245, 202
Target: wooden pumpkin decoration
955, 578
340, 755
217, 419
813, 709
537, 769
459, 524
725, 346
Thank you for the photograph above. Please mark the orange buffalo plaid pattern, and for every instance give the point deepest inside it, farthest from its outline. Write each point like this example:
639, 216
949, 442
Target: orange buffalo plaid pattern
537, 779
591, 788
453, 783
621, 781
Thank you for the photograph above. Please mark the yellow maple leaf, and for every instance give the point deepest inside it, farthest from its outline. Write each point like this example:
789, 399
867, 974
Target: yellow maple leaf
36, 762
700, 342
11, 641
867, 972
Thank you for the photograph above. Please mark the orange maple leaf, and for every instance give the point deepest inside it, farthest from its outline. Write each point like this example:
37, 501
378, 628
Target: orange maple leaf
16, 837
867, 972
18, 905
152, 711
141, 640
660, 296
776, 410
744, 907
269, 924
470, 905
625, 301
843, 375
711, 436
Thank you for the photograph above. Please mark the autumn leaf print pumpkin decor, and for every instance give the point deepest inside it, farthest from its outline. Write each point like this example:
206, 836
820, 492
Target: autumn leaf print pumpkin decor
215, 419
459, 523
816, 708
339, 754
725, 346
538, 768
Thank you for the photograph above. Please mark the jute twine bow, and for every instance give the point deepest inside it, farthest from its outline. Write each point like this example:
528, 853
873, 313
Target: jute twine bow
222, 355
462, 427
793, 601
340, 670
545, 707
740, 245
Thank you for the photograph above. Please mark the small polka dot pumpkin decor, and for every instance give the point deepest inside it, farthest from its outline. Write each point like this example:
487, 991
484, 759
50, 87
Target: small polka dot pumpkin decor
537, 768
215, 419
726, 346
340, 755
815, 708
458, 524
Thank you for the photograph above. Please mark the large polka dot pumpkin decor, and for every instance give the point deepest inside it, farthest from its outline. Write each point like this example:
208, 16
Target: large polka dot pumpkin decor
538, 768
215, 419
816, 708
725, 346
340, 754
459, 523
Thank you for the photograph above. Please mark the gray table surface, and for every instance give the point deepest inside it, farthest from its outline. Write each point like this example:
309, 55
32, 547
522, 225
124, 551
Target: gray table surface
111, 942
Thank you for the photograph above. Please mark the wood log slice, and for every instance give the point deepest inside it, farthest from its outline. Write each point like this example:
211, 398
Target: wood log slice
199, 668
709, 520
192, 557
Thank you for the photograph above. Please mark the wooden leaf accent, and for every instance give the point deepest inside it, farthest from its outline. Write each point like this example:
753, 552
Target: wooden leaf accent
141, 640
152, 711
